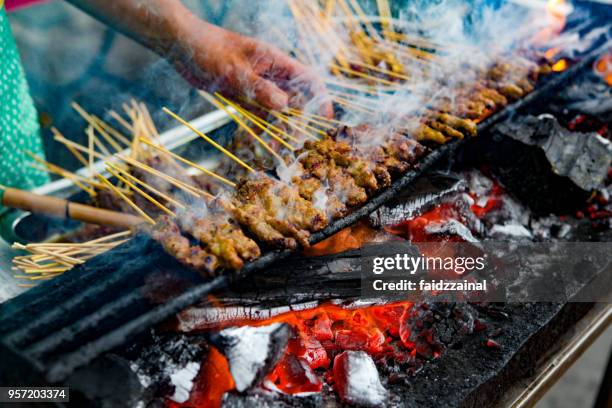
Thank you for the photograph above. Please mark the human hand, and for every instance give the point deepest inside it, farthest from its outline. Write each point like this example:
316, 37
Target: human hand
216, 59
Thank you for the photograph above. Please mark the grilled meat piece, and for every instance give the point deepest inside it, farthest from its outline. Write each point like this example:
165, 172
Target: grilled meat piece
343, 156
280, 207
342, 184
168, 234
220, 235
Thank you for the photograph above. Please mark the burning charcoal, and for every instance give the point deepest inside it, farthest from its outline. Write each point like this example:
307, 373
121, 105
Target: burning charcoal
546, 166
357, 381
492, 344
427, 192
168, 364
294, 376
451, 228
252, 351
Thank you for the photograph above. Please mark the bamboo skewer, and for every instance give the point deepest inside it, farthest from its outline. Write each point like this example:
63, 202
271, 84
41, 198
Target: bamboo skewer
208, 139
297, 112
190, 163
147, 186
121, 121
239, 121
250, 116
72, 150
52, 168
142, 193
48, 260
263, 122
353, 105
78, 147
126, 199
92, 123
381, 70
295, 126
194, 191
324, 125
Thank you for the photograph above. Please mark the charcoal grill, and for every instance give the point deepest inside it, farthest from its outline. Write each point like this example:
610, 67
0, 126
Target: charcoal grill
61, 325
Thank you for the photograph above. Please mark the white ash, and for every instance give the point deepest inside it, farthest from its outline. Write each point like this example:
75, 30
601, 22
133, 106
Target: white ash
479, 184
510, 231
183, 381
451, 227
361, 381
252, 351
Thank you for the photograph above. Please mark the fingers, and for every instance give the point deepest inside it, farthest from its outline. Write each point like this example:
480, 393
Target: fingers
267, 92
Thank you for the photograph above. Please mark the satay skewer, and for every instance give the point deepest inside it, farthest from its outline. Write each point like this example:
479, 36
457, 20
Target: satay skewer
208, 139
211, 99
189, 163
126, 199
249, 116
194, 191
147, 186
142, 193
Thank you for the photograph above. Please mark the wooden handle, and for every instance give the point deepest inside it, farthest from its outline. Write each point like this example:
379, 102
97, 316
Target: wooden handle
57, 207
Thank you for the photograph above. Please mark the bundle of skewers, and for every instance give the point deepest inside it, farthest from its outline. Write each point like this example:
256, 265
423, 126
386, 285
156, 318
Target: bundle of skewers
219, 219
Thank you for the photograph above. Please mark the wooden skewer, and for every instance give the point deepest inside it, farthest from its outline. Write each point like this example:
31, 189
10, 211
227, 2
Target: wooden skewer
194, 191
300, 129
249, 116
77, 182
147, 186
52, 168
121, 121
306, 124
239, 121
78, 147
142, 193
90, 138
352, 105
114, 132
190, 163
267, 124
385, 15
285, 119
126, 199
363, 75
308, 119
92, 123
101, 130
369, 89
70, 148
381, 70
208, 139
149, 121
297, 112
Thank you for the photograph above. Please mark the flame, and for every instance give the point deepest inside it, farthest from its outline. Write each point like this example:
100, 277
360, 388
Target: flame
550, 53
560, 65
556, 13
353, 237
603, 68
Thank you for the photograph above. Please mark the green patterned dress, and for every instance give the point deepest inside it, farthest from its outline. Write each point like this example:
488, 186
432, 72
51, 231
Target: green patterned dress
19, 128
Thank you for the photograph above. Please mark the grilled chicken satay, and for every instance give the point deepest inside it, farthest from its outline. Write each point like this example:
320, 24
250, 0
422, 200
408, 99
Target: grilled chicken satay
220, 235
342, 185
343, 156
169, 235
275, 212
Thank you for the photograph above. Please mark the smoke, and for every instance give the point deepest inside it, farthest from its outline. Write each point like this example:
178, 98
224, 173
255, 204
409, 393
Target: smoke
467, 37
